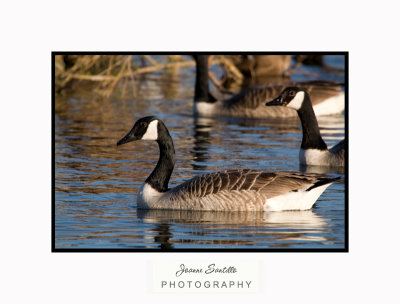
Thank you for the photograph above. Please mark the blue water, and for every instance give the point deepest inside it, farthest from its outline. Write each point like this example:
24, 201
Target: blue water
96, 182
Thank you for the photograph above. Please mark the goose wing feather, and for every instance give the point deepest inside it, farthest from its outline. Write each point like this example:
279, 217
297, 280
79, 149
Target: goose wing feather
338, 148
336, 154
253, 98
269, 184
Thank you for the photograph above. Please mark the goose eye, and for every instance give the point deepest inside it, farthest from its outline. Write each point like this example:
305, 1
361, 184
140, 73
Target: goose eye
142, 124
291, 93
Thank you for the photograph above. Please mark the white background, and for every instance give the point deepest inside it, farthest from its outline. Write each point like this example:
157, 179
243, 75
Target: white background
30, 30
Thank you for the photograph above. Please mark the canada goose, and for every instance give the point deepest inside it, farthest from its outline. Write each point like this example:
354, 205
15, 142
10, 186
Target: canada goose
233, 190
327, 98
313, 149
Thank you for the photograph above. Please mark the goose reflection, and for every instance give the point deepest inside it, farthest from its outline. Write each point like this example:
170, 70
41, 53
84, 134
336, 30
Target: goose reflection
253, 229
163, 236
321, 169
202, 127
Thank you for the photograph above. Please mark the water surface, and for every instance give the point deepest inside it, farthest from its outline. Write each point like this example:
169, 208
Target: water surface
96, 181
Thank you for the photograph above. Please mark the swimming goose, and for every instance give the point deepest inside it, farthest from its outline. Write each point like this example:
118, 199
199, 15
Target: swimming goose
313, 149
231, 190
327, 98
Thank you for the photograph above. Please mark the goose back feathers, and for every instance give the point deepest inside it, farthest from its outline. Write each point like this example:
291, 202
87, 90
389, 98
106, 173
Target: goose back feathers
243, 190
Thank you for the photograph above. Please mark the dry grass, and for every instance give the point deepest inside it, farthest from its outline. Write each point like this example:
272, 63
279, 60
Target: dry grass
106, 71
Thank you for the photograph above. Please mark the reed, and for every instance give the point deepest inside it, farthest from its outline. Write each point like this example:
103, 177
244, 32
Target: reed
106, 71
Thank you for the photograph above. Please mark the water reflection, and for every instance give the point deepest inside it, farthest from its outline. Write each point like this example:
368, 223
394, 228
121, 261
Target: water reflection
163, 237
202, 128
321, 169
294, 219
259, 229
170, 84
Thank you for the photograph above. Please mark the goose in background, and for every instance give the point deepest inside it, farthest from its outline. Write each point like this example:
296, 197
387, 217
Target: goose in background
327, 98
313, 149
231, 190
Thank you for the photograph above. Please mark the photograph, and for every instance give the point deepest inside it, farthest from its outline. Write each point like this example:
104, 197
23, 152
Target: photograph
184, 152
199, 151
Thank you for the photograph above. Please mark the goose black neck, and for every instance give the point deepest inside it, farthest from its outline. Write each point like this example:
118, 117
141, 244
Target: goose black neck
160, 176
201, 92
311, 135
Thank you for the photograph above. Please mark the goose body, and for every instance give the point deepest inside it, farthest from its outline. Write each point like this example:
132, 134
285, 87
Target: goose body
230, 190
313, 149
327, 98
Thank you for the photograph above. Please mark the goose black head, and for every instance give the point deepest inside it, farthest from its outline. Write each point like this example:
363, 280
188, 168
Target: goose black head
291, 97
145, 128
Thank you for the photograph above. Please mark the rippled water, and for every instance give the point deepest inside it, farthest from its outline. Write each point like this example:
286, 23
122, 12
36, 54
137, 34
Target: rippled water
96, 182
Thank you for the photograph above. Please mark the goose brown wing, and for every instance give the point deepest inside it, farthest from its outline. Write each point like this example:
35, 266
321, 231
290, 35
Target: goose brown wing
285, 182
252, 98
338, 148
268, 183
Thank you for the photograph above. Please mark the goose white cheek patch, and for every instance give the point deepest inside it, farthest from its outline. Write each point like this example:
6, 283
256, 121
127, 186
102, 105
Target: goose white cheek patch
151, 132
297, 101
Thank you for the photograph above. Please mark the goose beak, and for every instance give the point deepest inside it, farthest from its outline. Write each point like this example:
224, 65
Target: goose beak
127, 138
276, 102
